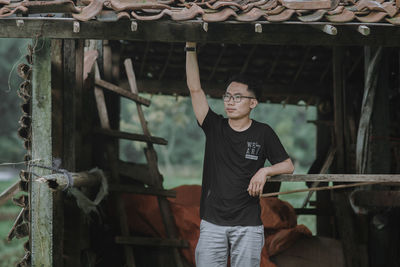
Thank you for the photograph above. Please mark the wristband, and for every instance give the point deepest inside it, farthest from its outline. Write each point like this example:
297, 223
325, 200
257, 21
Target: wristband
189, 49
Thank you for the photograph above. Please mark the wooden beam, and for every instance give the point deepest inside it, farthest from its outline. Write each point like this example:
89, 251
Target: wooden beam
41, 202
151, 241
290, 32
125, 93
384, 178
130, 136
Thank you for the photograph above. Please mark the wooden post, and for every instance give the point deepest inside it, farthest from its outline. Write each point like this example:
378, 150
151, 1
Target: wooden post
372, 63
57, 142
324, 142
338, 88
72, 143
375, 154
41, 202
350, 227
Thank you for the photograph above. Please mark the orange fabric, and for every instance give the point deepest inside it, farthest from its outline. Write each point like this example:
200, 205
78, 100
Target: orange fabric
278, 217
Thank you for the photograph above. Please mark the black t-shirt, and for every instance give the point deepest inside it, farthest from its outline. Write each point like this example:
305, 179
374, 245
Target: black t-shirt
231, 159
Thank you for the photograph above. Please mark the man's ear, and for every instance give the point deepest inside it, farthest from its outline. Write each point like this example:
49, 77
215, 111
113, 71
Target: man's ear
253, 103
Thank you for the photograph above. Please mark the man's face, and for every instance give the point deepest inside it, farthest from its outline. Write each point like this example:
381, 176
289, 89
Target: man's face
243, 108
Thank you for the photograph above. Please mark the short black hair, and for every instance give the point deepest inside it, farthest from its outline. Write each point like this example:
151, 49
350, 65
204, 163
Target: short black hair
253, 85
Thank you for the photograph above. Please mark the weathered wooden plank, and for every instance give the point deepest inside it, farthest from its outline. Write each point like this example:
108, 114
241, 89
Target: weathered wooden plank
151, 242
180, 31
371, 198
123, 188
131, 136
42, 245
336, 178
122, 92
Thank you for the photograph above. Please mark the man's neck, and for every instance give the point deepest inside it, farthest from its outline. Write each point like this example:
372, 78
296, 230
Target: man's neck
241, 124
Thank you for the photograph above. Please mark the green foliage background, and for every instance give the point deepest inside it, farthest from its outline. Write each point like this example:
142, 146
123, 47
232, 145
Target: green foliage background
11, 146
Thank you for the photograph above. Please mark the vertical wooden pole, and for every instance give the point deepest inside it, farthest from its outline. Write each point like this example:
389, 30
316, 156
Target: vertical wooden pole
349, 226
324, 142
374, 153
57, 144
41, 201
338, 88
75, 235
372, 63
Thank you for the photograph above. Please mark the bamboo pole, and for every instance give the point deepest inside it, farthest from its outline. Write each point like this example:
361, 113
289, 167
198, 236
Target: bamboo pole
335, 178
318, 189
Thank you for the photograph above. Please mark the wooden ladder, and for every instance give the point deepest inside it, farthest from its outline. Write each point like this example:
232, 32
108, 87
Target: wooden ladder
147, 174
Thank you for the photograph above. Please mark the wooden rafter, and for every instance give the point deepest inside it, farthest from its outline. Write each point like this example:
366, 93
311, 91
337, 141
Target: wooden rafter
217, 63
301, 66
171, 50
325, 72
275, 63
247, 61
355, 65
146, 51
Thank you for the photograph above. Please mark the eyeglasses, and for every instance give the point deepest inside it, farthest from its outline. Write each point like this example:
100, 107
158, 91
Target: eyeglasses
236, 98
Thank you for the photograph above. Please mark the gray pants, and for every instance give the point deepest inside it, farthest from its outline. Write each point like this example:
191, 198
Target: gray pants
245, 244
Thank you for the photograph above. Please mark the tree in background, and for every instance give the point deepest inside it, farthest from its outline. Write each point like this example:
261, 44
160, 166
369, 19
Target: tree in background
173, 119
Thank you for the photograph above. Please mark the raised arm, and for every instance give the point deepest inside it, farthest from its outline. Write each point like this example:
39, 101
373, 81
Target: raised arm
199, 100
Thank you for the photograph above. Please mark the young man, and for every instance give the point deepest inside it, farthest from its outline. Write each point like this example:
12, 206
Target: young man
234, 174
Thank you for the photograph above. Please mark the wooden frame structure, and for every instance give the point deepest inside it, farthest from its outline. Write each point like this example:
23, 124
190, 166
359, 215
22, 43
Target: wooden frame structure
57, 132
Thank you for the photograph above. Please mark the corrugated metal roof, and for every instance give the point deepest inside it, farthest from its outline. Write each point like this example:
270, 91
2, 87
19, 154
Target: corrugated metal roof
337, 11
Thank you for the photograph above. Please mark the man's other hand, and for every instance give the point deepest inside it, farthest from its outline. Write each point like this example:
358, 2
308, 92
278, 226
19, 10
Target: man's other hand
257, 183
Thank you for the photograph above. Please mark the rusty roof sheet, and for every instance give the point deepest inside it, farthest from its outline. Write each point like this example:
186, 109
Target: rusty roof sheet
336, 11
